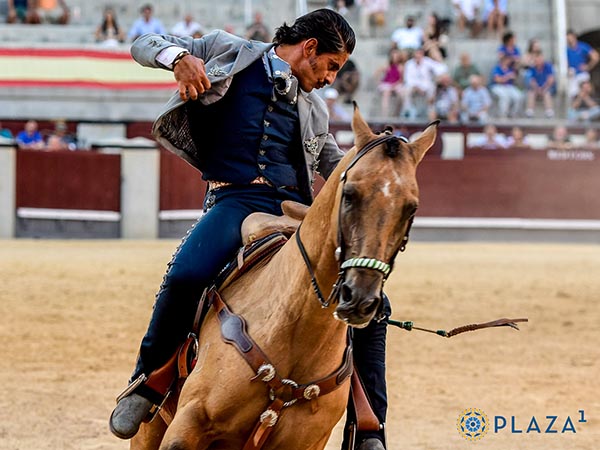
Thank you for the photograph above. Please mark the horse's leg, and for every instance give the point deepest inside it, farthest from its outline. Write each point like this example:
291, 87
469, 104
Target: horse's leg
184, 433
149, 436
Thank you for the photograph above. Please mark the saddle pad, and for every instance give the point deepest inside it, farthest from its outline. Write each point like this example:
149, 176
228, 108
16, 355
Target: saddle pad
248, 257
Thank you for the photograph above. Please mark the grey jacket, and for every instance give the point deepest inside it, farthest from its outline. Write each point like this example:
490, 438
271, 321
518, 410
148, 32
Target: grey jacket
225, 55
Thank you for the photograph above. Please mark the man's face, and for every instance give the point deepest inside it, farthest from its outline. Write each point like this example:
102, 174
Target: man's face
316, 71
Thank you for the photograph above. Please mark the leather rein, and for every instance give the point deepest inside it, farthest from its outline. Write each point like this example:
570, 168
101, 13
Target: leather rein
361, 262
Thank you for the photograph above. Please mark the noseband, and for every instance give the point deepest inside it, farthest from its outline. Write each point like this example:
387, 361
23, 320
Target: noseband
362, 262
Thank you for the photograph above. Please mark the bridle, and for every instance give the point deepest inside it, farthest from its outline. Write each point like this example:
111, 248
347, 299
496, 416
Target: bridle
362, 262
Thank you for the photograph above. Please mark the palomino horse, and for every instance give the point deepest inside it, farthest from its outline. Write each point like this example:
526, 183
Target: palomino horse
364, 211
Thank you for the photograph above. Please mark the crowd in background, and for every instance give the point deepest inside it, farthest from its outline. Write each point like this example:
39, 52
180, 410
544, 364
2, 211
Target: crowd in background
417, 82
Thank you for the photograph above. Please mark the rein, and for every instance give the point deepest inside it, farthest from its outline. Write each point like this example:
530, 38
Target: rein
362, 262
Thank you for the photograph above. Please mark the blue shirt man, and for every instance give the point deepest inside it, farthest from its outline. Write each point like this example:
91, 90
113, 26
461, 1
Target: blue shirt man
145, 24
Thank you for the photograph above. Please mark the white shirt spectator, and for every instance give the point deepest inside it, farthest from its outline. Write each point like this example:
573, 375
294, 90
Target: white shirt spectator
187, 27
469, 8
408, 37
422, 73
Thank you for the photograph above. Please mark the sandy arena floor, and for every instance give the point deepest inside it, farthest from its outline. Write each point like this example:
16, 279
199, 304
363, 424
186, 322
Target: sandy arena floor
72, 314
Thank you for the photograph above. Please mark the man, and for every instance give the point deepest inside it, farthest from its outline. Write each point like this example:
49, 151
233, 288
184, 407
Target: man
476, 101
420, 74
145, 24
409, 37
581, 57
187, 27
247, 117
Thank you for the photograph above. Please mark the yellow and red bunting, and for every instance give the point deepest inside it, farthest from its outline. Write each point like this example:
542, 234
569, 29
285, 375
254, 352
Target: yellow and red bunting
78, 68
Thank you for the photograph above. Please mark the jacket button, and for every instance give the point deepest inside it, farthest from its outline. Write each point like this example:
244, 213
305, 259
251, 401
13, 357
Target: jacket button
262, 166
270, 108
262, 152
265, 137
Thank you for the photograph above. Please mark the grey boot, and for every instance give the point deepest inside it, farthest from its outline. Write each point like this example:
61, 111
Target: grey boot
371, 444
126, 418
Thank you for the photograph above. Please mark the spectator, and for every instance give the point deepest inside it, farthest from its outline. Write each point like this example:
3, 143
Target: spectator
510, 97
541, 84
420, 74
533, 48
59, 138
495, 15
347, 81
584, 106
5, 133
446, 104
509, 48
187, 27
491, 139
434, 39
409, 37
581, 57
476, 101
53, 11
560, 138
145, 24
336, 112
22, 11
30, 138
591, 139
467, 12
391, 82
257, 30
517, 139
463, 72
372, 16
109, 33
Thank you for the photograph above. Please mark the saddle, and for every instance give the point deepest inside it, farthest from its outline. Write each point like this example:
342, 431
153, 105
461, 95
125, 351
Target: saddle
263, 235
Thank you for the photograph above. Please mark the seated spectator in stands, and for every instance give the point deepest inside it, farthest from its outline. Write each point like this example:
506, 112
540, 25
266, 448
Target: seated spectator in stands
581, 57
337, 113
560, 138
420, 74
30, 138
541, 84
257, 30
510, 49
53, 11
372, 17
108, 33
476, 101
22, 11
503, 86
584, 106
391, 81
533, 48
347, 81
59, 138
591, 139
495, 15
434, 38
491, 139
517, 139
5, 133
468, 13
446, 104
187, 27
145, 24
463, 72
409, 37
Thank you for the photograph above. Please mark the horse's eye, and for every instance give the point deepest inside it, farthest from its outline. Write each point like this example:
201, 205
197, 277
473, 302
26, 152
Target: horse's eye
350, 195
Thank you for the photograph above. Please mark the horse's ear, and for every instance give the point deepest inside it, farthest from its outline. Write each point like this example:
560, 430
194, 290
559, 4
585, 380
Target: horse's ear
425, 141
362, 132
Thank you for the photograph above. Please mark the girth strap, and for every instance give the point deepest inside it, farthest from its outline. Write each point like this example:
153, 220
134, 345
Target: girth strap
234, 332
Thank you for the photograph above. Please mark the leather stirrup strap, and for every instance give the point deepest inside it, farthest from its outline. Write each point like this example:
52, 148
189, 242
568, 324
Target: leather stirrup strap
264, 426
366, 420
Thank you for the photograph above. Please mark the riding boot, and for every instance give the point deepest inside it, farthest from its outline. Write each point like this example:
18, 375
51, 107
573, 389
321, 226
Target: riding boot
369, 360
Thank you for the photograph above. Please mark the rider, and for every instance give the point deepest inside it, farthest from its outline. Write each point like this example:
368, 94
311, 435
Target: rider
245, 115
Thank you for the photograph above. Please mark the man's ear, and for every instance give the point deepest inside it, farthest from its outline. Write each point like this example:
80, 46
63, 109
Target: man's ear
310, 47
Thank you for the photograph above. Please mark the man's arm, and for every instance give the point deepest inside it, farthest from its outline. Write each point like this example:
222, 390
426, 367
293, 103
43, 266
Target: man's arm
330, 156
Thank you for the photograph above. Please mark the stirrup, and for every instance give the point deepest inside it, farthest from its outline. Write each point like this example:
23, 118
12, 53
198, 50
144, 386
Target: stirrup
132, 387
156, 406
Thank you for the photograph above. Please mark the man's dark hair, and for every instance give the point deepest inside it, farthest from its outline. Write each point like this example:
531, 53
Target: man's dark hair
507, 37
329, 28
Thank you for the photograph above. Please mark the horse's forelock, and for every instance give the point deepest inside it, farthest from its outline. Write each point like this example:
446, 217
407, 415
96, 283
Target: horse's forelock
392, 147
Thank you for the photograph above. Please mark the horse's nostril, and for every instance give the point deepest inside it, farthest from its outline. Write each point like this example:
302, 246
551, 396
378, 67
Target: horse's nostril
346, 293
367, 306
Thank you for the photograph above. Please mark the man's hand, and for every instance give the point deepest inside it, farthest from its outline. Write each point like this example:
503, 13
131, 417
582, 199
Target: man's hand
191, 77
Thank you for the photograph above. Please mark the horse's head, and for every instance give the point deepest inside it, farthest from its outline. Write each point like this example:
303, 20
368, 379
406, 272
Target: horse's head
376, 201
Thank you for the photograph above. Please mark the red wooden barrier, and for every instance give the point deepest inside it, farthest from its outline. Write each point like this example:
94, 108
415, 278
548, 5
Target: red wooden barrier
181, 185
68, 180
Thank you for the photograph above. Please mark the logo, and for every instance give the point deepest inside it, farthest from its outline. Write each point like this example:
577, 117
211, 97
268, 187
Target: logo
472, 424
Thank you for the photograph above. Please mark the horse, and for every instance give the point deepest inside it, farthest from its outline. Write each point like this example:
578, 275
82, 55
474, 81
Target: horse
343, 250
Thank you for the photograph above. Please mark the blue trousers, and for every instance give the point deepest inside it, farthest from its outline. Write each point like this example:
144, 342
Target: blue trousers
210, 244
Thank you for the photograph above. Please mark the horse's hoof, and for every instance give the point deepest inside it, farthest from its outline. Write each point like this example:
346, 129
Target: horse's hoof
126, 418
371, 444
